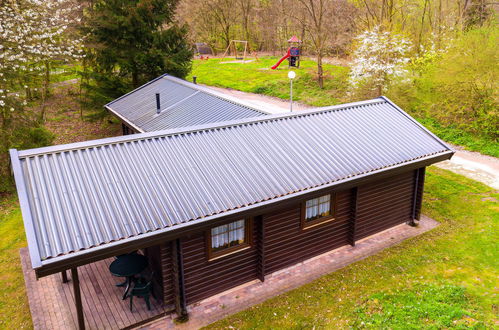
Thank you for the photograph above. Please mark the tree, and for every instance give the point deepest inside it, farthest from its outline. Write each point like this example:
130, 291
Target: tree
378, 57
130, 42
477, 13
324, 21
33, 34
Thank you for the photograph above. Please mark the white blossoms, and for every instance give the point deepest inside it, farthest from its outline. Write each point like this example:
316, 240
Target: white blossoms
378, 56
32, 33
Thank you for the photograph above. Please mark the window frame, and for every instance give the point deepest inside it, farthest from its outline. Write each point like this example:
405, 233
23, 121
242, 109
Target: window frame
248, 227
332, 207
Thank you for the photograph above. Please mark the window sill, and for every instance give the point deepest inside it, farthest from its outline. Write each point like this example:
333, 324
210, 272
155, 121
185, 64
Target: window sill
225, 254
316, 223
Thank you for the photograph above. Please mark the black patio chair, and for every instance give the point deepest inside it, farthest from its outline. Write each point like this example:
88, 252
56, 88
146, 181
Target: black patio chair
142, 289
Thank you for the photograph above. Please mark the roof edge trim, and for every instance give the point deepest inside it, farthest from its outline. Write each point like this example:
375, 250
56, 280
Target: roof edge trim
124, 119
442, 142
25, 209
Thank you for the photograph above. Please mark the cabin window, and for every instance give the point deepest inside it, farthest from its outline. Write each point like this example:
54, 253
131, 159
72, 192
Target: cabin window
228, 238
318, 210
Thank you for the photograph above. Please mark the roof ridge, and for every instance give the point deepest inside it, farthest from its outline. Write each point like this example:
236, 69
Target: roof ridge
192, 129
136, 89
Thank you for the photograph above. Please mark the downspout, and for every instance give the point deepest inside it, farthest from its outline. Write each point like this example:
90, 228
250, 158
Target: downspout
414, 200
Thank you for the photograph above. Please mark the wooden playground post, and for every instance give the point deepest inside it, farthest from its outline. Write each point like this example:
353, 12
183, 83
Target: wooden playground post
233, 46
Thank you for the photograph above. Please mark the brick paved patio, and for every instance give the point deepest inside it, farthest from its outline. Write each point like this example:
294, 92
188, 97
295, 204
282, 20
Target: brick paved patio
52, 306
252, 293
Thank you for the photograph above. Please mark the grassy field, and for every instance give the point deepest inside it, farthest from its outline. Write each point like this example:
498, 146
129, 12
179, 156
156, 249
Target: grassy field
257, 77
445, 278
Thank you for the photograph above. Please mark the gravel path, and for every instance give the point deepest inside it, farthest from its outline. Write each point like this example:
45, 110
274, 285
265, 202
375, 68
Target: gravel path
473, 165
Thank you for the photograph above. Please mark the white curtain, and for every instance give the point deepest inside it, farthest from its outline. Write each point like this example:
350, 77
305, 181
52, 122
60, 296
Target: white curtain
324, 205
317, 207
312, 208
230, 234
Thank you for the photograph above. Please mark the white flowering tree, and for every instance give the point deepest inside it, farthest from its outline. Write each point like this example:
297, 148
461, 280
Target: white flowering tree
379, 57
33, 35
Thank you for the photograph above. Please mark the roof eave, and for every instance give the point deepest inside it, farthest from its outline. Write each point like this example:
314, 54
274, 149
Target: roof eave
59, 263
25, 209
124, 119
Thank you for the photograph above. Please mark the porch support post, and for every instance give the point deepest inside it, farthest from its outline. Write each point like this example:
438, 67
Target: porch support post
353, 219
179, 280
64, 276
414, 199
77, 293
260, 247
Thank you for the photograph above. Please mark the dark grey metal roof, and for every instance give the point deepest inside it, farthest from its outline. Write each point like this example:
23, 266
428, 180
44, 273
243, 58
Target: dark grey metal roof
80, 196
182, 104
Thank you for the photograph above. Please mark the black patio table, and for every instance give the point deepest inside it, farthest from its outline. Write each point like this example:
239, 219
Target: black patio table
128, 265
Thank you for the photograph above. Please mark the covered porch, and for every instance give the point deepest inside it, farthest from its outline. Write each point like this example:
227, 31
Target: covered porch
52, 302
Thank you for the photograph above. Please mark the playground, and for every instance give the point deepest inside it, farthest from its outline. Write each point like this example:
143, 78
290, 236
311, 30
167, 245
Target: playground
258, 77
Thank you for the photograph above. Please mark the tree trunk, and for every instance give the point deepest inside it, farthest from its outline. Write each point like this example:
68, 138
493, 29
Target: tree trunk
135, 78
320, 73
46, 82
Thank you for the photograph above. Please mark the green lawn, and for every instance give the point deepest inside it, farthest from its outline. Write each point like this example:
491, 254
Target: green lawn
14, 310
446, 277
257, 77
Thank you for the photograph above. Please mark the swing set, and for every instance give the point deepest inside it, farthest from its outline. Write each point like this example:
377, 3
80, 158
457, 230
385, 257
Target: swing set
232, 49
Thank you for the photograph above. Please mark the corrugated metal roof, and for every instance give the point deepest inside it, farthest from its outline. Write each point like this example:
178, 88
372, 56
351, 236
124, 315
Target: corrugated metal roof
182, 104
84, 195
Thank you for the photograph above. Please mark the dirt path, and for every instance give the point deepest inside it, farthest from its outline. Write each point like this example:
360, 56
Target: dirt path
271, 104
473, 165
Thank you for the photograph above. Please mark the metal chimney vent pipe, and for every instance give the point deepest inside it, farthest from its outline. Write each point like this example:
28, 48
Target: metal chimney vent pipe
158, 104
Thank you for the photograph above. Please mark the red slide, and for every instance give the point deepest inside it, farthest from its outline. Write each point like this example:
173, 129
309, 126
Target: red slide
282, 59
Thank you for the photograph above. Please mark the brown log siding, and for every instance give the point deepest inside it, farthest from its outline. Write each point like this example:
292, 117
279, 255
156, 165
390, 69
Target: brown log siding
380, 205
384, 204
205, 278
167, 275
286, 243
153, 254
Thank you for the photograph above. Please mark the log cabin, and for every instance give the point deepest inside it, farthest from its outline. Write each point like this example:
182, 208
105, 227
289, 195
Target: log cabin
220, 204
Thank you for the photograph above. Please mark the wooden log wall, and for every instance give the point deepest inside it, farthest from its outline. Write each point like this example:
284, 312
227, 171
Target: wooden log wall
384, 204
167, 275
287, 244
204, 278
360, 212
